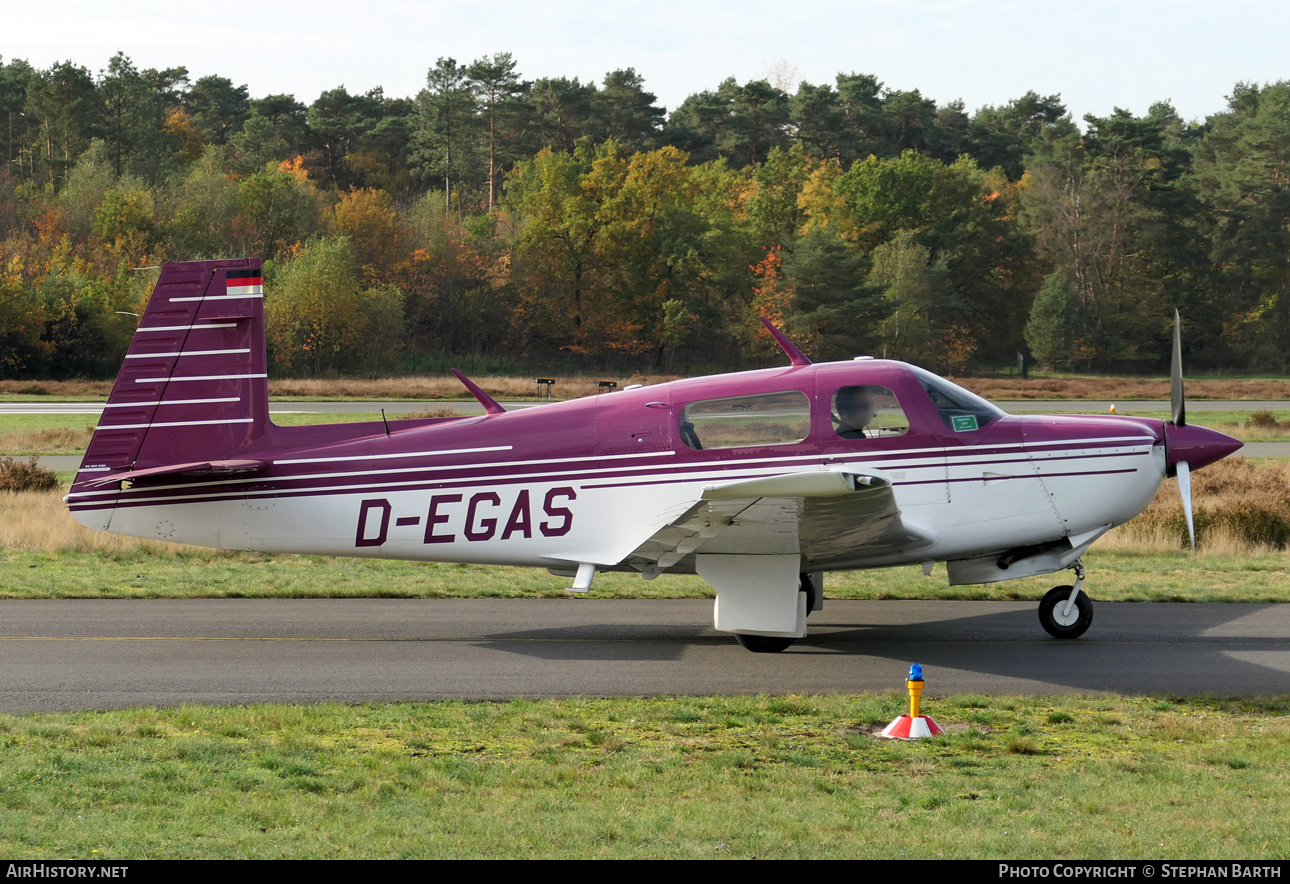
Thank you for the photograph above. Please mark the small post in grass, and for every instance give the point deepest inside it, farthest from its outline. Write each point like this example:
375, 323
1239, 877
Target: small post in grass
913, 726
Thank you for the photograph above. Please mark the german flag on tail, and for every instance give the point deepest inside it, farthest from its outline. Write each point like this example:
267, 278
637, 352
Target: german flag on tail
244, 282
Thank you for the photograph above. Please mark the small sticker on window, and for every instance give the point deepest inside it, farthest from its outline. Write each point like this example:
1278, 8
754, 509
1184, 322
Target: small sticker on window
964, 422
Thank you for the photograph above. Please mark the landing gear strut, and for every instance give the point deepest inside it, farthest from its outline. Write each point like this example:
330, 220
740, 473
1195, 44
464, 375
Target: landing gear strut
1067, 611
773, 644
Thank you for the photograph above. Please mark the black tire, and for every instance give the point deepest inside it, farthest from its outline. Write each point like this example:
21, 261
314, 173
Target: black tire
764, 644
808, 587
1048, 613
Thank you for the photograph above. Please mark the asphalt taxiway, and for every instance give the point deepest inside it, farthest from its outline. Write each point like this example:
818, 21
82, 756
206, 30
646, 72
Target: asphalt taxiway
60, 655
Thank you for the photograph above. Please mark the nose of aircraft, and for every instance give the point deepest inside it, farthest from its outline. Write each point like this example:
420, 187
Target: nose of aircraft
1197, 446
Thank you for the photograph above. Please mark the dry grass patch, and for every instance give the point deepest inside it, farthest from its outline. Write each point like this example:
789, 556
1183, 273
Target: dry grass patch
39, 522
446, 387
78, 389
1240, 508
1260, 426
1247, 433
1122, 388
430, 413
47, 441
574, 386
423, 387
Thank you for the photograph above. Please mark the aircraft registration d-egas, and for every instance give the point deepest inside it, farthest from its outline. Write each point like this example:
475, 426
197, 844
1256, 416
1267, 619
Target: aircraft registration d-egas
760, 482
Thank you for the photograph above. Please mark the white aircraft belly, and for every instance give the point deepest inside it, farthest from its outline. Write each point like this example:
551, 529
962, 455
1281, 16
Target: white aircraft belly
603, 525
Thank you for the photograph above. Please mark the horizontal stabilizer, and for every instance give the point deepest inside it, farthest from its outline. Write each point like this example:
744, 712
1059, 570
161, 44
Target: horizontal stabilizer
212, 468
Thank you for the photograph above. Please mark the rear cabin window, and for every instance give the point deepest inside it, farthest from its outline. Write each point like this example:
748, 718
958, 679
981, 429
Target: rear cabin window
868, 411
763, 419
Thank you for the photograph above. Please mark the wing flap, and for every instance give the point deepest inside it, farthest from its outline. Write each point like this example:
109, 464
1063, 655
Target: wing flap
821, 515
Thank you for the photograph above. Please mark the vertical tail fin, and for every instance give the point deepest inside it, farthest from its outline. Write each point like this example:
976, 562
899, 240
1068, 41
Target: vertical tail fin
194, 385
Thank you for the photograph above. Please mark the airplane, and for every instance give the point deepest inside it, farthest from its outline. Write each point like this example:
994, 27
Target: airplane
758, 481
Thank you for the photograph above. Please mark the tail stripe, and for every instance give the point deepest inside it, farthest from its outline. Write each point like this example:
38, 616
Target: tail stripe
214, 298
163, 328
232, 420
172, 402
188, 353
205, 377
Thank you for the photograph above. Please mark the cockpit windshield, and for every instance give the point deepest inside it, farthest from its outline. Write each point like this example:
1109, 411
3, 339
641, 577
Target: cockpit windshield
961, 410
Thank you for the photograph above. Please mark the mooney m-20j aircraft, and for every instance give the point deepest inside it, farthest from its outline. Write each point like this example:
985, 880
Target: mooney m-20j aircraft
760, 482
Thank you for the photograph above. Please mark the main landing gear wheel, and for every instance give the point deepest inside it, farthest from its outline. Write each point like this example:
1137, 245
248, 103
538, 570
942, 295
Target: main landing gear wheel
1057, 620
808, 587
773, 644
764, 644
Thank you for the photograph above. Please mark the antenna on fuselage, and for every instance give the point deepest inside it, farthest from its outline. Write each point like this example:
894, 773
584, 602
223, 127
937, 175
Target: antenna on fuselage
795, 356
489, 403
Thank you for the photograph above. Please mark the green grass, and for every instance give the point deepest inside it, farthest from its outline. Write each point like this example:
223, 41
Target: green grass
200, 573
20, 433
765, 777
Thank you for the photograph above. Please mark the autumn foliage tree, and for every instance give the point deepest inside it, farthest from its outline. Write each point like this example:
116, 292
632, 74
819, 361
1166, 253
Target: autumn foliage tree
577, 224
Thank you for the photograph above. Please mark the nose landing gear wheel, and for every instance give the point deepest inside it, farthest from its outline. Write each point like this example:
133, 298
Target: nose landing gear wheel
1060, 623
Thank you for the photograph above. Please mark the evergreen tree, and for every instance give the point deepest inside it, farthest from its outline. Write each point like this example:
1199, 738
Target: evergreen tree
1053, 328
497, 85
443, 143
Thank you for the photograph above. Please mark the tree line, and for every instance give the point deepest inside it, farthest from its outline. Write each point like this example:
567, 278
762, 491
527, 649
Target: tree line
573, 225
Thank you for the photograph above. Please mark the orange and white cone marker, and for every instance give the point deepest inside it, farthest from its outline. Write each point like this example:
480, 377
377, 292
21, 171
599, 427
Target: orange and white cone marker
913, 726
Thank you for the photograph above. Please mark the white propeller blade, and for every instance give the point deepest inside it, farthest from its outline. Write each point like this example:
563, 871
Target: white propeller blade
1184, 488
1177, 402
1179, 407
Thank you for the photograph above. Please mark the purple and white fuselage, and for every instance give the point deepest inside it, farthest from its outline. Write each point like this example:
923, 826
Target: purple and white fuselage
759, 481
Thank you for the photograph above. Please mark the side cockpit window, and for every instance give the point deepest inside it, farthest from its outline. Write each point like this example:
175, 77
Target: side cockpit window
763, 419
960, 410
868, 411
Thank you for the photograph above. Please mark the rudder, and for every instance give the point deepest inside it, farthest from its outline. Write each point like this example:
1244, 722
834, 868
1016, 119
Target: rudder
194, 385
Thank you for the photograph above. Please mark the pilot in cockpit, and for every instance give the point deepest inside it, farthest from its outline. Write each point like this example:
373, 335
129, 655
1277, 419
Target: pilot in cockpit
855, 411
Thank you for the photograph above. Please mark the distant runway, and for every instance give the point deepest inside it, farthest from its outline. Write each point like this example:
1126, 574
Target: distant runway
89, 654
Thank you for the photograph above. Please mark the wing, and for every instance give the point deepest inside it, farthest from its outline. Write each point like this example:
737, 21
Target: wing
830, 518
